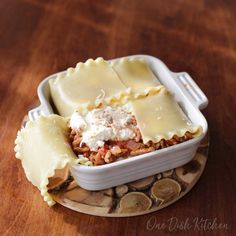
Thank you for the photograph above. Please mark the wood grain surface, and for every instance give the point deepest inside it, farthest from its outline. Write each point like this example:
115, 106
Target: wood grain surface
38, 38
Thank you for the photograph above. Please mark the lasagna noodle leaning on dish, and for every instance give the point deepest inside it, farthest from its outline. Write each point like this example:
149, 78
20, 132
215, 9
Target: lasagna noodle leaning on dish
44, 150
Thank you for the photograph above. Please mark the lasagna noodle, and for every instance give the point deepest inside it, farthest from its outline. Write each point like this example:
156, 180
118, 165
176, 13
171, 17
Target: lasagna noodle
135, 74
160, 117
42, 146
88, 85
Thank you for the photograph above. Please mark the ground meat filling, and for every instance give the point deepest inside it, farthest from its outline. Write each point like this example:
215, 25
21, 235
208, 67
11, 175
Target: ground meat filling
116, 150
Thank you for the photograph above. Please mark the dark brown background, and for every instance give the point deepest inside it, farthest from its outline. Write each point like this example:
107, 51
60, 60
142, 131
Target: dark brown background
38, 38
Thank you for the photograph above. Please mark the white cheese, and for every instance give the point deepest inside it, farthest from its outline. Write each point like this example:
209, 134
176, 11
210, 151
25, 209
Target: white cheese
77, 122
103, 124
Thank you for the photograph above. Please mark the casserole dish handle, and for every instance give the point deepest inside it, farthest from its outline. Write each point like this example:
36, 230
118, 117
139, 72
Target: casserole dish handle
190, 89
37, 112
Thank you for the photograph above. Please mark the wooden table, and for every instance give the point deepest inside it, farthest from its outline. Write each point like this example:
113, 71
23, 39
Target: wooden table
38, 38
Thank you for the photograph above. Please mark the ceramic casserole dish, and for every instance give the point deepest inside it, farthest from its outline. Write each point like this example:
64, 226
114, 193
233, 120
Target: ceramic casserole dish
188, 95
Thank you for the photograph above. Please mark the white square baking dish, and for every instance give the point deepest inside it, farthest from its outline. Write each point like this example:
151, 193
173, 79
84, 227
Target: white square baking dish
190, 98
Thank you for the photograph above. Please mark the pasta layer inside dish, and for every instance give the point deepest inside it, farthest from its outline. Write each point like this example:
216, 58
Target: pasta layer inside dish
96, 82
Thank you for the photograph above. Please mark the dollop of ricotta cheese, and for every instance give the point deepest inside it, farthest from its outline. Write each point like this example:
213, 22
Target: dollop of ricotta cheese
103, 124
77, 122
